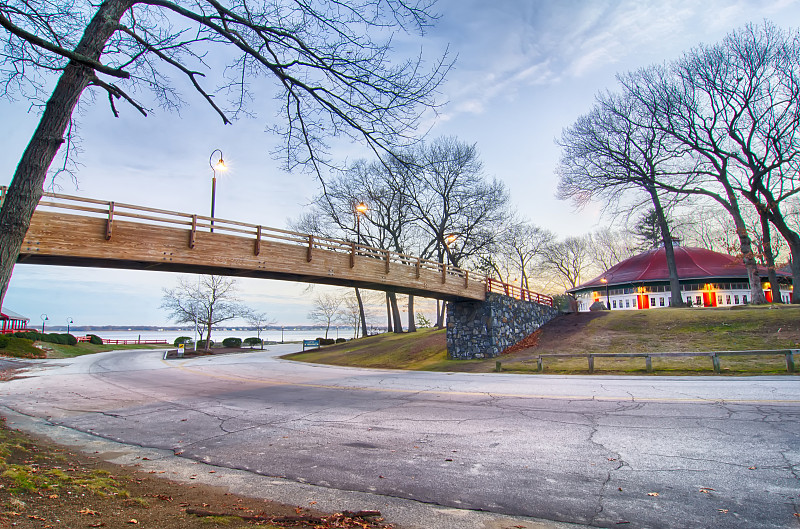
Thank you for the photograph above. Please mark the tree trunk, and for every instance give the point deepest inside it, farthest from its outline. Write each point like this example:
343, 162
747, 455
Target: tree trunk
769, 258
207, 346
27, 185
389, 327
397, 320
676, 297
361, 315
439, 314
412, 325
746, 245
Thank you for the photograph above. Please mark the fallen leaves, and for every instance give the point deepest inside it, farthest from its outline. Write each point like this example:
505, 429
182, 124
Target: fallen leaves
88, 512
652, 493
706, 490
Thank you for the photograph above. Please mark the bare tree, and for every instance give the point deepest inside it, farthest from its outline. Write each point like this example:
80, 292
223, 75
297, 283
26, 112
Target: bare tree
209, 301
331, 65
518, 253
568, 260
617, 149
259, 321
325, 310
609, 247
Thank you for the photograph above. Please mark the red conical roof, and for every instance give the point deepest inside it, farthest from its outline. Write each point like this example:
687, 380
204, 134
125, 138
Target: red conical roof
692, 263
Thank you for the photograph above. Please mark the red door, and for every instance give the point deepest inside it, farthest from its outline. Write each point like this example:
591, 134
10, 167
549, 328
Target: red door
643, 302
709, 299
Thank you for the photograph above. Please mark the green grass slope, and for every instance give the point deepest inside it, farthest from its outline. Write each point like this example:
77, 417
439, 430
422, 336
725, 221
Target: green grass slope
662, 330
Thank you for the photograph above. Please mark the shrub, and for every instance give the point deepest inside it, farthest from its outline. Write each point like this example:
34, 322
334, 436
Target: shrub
232, 342
33, 335
54, 338
21, 348
326, 341
71, 340
201, 344
341, 340
181, 339
251, 342
3, 342
96, 340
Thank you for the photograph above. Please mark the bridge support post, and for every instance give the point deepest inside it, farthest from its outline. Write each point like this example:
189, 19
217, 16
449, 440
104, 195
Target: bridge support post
484, 329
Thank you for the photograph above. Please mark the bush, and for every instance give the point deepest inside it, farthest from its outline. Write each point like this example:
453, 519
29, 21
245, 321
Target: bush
71, 340
201, 344
181, 339
232, 342
3, 342
251, 342
33, 335
21, 348
341, 340
54, 338
96, 340
326, 341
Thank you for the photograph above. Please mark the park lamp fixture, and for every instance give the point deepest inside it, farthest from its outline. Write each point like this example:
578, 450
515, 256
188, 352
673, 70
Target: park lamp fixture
219, 165
608, 299
450, 239
361, 209
44, 319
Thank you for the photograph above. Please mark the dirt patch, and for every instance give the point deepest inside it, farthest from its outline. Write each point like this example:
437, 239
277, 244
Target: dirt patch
173, 353
43, 485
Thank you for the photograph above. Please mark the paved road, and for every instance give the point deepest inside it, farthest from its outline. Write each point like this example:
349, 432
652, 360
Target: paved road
602, 451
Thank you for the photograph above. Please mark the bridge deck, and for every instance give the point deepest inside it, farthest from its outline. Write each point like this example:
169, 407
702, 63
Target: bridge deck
84, 232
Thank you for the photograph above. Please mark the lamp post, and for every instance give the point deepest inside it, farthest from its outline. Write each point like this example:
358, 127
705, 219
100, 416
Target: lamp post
608, 301
44, 319
69, 322
449, 241
361, 209
281, 333
220, 164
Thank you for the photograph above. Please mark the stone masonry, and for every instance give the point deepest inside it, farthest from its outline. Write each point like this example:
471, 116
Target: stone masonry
484, 329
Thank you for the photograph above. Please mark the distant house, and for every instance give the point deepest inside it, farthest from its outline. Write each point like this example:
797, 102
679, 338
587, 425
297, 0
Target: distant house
708, 279
12, 322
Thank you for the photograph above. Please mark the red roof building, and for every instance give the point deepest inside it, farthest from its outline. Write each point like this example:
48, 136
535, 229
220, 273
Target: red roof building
708, 279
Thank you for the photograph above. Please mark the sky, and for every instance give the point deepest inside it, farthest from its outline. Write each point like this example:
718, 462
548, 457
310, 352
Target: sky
525, 70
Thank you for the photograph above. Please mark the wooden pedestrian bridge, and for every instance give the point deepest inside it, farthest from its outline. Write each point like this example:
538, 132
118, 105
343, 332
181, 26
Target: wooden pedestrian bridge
76, 231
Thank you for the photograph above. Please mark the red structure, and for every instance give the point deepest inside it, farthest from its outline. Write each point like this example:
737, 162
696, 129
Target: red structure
707, 278
13, 322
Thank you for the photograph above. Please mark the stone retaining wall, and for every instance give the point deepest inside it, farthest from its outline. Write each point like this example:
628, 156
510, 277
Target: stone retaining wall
484, 329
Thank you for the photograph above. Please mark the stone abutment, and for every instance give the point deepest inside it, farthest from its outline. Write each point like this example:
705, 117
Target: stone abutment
484, 329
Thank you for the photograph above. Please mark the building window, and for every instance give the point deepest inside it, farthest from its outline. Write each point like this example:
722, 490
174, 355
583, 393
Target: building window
652, 302
728, 299
744, 300
614, 303
661, 302
698, 301
627, 303
719, 299
735, 300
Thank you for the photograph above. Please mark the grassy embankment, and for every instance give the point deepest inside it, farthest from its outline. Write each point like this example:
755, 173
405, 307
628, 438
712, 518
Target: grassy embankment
662, 330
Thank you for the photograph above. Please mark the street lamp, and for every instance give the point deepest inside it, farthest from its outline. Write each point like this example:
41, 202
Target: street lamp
69, 322
449, 241
608, 301
44, 319
361, 209
220, 164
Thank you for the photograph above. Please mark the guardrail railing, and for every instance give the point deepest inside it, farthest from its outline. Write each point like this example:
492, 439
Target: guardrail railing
713, 355
111, 211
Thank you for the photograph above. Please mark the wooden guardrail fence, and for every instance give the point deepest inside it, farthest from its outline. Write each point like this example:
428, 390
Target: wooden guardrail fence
713, 355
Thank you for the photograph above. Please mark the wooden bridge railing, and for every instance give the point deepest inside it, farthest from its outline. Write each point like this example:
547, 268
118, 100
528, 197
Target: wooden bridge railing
110, 211
498, 287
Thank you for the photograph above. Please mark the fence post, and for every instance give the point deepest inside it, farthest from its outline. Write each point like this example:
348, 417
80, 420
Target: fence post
310, 247
257, 249
539, 366
715, 362
193, 233
648, 362
110, 220
790, 360
591, 364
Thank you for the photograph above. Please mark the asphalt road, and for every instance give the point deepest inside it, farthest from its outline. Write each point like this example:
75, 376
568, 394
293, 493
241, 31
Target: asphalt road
600, 451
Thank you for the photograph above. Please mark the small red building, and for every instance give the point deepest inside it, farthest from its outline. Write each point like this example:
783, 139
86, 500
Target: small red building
13, 322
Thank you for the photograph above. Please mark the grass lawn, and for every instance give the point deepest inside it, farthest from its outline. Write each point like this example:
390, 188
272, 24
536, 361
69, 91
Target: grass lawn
660, 330
54, 350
